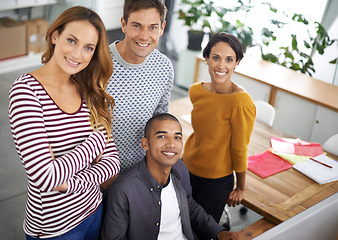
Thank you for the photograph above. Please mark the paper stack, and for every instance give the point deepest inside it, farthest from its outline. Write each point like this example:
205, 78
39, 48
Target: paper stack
323, 170
286, 152
296, 146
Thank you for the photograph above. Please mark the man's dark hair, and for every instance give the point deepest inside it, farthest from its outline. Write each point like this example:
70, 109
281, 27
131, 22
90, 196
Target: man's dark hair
159, 117
135, 5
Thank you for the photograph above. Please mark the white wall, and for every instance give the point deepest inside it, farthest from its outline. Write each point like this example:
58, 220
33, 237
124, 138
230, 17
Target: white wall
178, 33
110, 12
56, 9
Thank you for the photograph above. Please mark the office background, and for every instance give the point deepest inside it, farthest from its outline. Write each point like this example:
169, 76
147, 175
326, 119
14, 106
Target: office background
174, 44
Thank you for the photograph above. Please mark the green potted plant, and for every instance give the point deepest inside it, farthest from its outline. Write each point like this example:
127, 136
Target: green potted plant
203, 16
242, 32
227, 22
195, 14
296, 54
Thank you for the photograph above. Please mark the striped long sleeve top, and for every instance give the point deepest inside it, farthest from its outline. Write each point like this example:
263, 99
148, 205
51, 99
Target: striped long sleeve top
37, 123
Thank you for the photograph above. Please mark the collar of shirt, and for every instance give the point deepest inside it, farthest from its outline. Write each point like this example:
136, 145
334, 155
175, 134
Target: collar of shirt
150, 181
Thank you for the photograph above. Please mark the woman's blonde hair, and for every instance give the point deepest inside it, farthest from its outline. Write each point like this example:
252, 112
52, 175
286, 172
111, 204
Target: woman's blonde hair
92, 80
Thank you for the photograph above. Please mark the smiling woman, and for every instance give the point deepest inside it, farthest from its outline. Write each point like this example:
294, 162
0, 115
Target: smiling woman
223, 116
74, 48
61, 126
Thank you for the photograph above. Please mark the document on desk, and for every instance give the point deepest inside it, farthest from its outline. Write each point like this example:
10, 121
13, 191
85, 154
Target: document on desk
266, 164
296, 146
321, 169
291, 158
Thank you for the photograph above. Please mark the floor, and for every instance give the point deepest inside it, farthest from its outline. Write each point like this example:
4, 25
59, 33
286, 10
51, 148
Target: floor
12, 175
13, 179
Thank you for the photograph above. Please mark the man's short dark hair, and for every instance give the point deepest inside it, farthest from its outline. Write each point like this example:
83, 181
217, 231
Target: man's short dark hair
159, 117
134, 5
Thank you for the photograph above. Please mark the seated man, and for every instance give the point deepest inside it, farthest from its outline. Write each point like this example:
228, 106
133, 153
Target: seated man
152, 199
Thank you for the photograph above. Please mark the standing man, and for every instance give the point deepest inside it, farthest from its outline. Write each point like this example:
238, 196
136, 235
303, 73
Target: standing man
142, 78
152, 199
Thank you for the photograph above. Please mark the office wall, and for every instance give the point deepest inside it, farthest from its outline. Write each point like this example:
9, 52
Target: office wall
335, 80
56, 9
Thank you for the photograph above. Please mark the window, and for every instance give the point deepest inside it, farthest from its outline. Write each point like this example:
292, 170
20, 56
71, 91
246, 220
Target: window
259, 17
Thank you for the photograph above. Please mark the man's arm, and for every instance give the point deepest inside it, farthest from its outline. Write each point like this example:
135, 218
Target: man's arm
200, 220
116, 219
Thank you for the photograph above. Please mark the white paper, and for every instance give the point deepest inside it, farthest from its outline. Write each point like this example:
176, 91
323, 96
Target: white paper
318, 172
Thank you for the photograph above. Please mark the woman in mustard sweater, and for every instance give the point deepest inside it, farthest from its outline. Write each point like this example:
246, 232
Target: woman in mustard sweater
223, 117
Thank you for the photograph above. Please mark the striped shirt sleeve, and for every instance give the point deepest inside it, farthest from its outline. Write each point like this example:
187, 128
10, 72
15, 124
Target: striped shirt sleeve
29, 132
107, 167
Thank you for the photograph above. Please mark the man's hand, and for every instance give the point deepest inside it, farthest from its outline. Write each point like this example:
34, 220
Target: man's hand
224, 235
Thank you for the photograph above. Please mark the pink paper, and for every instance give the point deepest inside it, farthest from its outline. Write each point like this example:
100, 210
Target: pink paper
266, 164
296, 146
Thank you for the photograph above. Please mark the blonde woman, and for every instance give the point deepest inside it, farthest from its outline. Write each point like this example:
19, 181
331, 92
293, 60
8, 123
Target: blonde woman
60, 118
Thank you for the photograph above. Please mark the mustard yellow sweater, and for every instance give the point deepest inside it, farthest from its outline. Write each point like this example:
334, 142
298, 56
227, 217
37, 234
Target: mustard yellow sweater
222, 126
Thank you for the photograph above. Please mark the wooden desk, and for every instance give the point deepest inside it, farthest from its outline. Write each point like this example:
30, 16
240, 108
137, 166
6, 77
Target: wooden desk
277, 198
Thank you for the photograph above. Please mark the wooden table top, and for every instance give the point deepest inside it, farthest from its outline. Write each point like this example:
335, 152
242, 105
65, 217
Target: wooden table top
279, 197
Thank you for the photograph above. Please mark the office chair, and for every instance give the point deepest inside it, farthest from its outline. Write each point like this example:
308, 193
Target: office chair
265, 112
331, 144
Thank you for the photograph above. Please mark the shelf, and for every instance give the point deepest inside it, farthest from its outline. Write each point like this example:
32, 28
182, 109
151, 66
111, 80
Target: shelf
27, 4
19, 63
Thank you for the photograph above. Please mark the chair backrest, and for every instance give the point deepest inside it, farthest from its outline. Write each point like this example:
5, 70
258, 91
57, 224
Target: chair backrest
331, 144
265, 112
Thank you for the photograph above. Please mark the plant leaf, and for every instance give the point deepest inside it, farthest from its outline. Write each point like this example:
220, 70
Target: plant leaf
270, 58
334, 61
294, 42
306, 44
